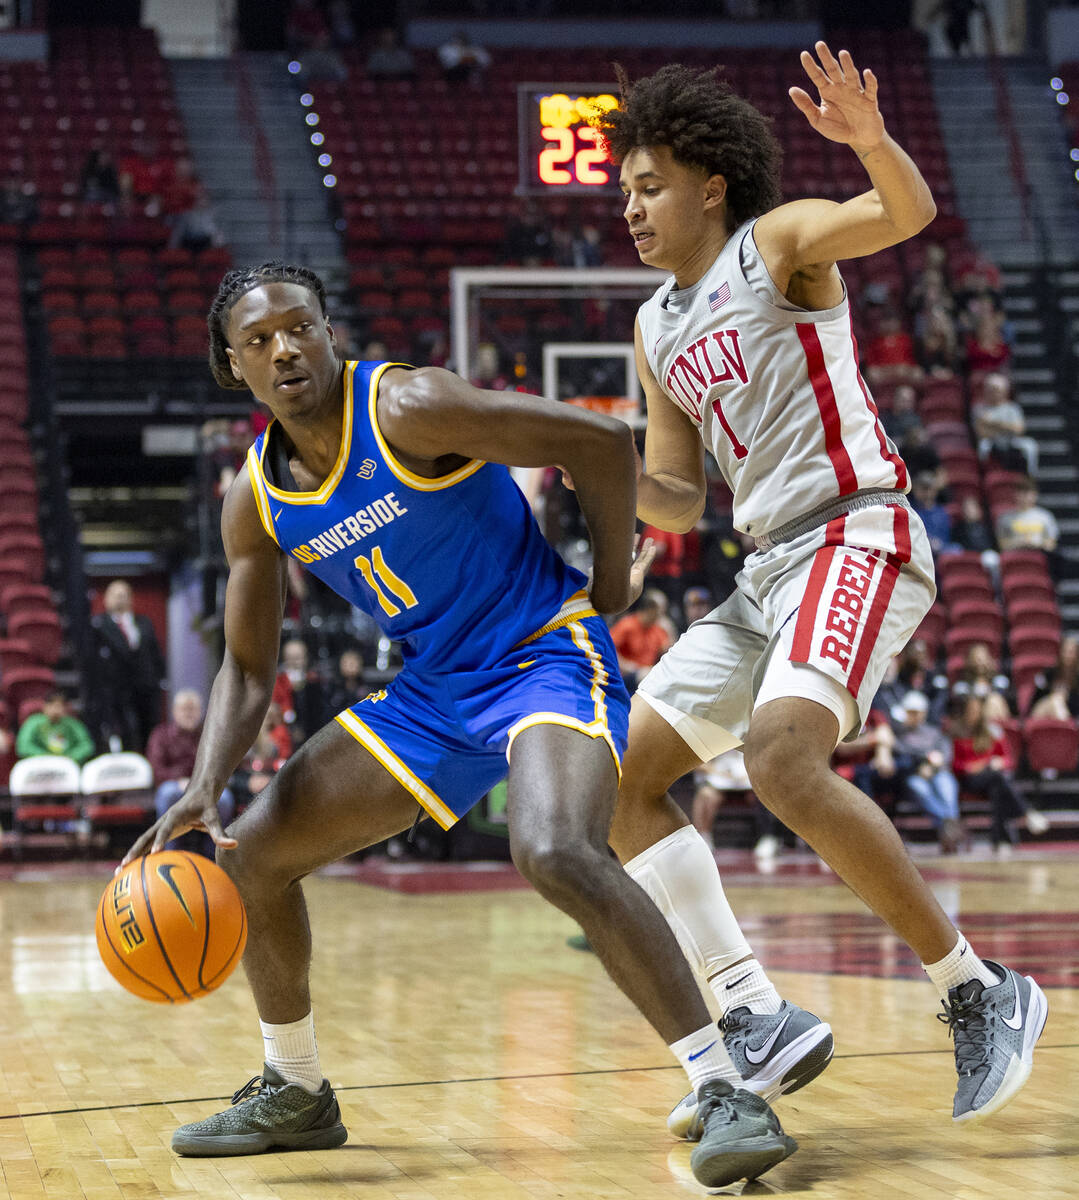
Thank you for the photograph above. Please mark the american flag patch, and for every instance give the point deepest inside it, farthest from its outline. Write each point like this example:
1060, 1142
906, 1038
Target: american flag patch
719, 297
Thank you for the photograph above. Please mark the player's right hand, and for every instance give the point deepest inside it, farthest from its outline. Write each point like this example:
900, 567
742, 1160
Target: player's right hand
191, 811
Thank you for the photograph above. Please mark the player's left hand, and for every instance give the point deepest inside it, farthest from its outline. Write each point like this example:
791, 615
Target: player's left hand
848, 110
644, 554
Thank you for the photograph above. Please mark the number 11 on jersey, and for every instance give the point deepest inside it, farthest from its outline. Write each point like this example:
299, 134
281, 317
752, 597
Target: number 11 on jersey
378, 576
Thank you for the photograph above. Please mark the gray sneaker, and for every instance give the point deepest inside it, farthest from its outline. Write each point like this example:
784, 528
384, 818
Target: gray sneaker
266, 1114
738, 1136
774, 1053
995, 1029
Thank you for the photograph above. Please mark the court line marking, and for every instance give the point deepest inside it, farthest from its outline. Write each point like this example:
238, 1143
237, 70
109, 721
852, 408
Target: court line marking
373, 1087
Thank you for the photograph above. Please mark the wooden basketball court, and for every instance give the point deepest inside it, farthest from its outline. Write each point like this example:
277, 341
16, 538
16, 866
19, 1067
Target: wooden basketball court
477, 1057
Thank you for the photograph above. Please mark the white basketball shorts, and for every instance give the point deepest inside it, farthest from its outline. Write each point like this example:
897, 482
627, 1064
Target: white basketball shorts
817, 617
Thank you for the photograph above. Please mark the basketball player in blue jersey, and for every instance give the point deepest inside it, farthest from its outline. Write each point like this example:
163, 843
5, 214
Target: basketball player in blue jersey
385, 482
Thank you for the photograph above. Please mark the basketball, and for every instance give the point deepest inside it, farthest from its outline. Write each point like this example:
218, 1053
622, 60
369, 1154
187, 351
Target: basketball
171, 927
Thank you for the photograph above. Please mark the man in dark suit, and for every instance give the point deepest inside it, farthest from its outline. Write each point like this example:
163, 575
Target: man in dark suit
132, 669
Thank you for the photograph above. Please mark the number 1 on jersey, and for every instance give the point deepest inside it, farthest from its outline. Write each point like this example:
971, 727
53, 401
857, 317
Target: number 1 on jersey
740, 451
377, 575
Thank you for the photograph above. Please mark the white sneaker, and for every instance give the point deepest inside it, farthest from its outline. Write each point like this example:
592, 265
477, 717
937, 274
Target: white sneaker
767, 847
1036, 822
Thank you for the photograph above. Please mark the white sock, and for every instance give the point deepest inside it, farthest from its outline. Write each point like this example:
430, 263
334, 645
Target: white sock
745, 984
704, 1057
291, 1051
960, 966
681, 877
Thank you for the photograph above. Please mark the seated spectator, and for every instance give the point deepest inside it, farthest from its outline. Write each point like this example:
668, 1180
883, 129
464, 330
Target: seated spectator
889, 357
196, 228
981, 678
915, 672
348, 686
267, 756
299, 693
983, 765
18, 203
971, 532
389, 59
342, 24
868, 760
529, 240
938, 524
697, 602
986, 349
1028, 526
463, 61
999, 426
54, 730
99, 181
921, 456
145, 171
171, 750
923, 756
938, 344
304, 24
1056, 694
712, 782
321, 63
182, 191
641, 637
902, 417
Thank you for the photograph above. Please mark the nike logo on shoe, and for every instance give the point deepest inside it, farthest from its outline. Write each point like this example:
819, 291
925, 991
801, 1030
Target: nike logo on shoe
694, 1057
1015, 1021
760, 1054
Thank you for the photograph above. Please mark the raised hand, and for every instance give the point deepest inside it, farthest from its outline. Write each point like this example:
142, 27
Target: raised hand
848, 110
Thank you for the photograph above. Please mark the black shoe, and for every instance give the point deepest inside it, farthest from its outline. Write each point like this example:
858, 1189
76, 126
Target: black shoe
266, 1114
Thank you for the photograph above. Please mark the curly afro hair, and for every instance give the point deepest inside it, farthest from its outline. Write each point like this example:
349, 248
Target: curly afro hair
705, 125
237, 283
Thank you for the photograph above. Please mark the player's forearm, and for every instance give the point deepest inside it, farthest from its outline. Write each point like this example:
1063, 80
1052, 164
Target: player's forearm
234, 714
606, 489
903, 193
669, 502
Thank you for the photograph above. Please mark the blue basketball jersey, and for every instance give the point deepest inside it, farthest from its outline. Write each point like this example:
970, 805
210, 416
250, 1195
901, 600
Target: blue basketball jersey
454, 568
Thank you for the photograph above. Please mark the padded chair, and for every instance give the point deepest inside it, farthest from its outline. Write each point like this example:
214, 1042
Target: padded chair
15, 654
117, 791
931, 630
25, 684
1026, 642
25, 597
1051, 745
42, 789
42, 631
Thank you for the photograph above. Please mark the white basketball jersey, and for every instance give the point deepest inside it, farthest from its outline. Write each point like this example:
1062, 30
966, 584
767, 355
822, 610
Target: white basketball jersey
776, 392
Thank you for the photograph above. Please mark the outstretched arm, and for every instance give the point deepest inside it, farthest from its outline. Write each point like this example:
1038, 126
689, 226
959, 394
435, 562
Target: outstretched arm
808, 233
254, 602
431, 413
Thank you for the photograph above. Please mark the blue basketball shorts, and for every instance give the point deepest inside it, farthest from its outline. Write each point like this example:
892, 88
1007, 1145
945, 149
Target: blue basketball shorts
447, 738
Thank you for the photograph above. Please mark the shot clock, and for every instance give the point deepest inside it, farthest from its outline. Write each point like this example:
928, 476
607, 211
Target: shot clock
558, 150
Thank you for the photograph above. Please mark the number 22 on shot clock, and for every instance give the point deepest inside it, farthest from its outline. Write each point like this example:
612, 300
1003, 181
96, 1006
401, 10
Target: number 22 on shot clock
562, 149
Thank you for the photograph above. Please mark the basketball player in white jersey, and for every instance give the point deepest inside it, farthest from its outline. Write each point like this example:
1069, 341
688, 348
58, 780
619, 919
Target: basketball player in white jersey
748, 351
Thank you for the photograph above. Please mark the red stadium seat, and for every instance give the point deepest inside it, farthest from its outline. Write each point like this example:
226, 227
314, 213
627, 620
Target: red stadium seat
24, 597
1025, 642
41, 630
23, 549
1051, 745
26, 683
15, 654
931, 630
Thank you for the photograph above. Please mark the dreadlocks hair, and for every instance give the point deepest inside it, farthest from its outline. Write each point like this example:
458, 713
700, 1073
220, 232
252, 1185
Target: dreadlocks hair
705, 125
237, 283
